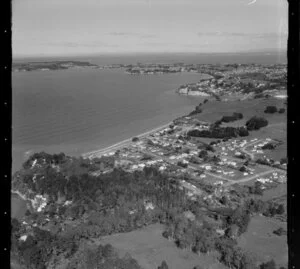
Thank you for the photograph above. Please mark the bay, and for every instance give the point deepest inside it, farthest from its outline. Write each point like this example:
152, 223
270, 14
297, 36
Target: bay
80, 110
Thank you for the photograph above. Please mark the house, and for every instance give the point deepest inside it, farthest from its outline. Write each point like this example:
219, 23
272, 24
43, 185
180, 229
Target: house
23, 238
220, 232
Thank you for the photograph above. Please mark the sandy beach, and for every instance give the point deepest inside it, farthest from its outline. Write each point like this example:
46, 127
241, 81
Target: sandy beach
124, 143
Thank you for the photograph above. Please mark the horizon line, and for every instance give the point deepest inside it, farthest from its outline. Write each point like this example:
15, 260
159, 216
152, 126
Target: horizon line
19, 56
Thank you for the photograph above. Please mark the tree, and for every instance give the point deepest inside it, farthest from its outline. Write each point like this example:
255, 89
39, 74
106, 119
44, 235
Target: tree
271, 109
163, 265
280, 209
224, 200
243, 131
210, 148
283, 160
255, 123
135, 139
269, 146
203, 154
280, 231
273, 209
184, 165
233, 256
239, 217
243, 169
257, 188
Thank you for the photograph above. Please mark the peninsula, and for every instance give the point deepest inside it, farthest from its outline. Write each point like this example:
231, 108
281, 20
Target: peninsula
53, 65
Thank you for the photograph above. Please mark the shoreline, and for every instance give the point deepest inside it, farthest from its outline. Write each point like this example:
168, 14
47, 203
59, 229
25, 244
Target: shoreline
20, 195
123, 143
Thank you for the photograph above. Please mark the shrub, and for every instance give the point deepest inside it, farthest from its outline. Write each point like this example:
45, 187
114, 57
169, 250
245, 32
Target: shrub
280, 209
209, 148
228, 118
242, 131
237, 115
274, 209
281, 110
283, 160
135, 139
203, 154
184, 165
259, 95
268, 146
256, 189
255, 123
280, 231
271, 109
163, 265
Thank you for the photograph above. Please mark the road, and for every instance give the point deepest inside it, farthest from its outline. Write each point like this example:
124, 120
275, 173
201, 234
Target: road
122, 144
229, 182
191, 167
243, 149
246, 179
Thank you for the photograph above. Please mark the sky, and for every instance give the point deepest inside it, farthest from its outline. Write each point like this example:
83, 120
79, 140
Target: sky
79, 27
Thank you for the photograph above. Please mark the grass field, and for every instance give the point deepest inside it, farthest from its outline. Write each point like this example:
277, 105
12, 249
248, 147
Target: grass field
149, 248
260, 240
214, 110
276, 129
278, 191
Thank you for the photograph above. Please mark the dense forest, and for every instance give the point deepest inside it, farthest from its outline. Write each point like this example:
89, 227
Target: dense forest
220, 132
81, 205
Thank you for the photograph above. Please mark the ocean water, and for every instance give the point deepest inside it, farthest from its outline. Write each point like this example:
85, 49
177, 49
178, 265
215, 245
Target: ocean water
77, 111
81, 110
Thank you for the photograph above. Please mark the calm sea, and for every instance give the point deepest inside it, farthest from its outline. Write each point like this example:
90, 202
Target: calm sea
80, 110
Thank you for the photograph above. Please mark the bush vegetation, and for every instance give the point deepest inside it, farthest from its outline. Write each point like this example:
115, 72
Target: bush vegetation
115, 202
255, 123
271, 109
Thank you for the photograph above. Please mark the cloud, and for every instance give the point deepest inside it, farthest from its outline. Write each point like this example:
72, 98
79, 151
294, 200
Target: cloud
157, 44
219, 34
130, 34
241, 34
93, 44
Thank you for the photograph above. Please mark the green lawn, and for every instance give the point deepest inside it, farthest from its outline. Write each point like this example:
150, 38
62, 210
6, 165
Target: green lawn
260, 240
149, 248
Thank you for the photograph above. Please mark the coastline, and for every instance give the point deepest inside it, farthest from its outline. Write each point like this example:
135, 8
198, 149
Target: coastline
123, 143
20, 195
